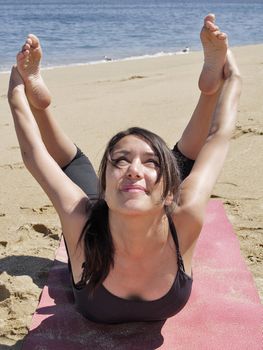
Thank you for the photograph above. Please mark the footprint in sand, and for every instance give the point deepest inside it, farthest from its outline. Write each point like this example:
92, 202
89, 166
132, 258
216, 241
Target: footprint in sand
250, 228
4, 292
241, 131
132, 77
136, 77
45, 231
13, 166
3, 248
45, 209
25, 231
41, 229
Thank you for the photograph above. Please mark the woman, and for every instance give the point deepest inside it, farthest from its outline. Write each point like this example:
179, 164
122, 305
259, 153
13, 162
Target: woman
131, 250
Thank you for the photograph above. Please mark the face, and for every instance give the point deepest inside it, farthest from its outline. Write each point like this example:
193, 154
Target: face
131, 178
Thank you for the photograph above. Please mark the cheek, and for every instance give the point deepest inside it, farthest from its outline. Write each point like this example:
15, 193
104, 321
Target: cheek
158, 187
113, 175
112, 178
151, 176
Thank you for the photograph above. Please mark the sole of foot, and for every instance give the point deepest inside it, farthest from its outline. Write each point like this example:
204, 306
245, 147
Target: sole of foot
28, 65
215, 45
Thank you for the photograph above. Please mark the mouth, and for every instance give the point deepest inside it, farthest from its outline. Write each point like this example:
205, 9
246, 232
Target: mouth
133, 189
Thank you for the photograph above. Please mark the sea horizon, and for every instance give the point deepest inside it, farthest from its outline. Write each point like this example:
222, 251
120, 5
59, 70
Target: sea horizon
104, 61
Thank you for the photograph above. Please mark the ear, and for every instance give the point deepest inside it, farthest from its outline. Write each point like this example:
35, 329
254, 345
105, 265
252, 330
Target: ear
169, 200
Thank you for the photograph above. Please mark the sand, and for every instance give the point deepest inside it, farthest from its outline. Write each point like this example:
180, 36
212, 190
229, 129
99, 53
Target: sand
92, 102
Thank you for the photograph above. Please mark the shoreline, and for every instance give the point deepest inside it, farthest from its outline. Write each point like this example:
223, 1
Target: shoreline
92, 102
131, 58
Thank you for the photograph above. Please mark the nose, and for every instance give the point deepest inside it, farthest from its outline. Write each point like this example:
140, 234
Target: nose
135, 170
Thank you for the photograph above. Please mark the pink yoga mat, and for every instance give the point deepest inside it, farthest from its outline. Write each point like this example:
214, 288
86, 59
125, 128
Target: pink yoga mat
224, 310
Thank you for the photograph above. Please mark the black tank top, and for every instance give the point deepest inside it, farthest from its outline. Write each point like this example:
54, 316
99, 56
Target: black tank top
105, 307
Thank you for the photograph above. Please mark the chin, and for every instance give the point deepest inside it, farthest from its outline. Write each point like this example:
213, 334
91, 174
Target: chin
133, 211
132, 208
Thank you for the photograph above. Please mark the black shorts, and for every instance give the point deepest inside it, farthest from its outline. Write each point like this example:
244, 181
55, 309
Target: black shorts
82, 173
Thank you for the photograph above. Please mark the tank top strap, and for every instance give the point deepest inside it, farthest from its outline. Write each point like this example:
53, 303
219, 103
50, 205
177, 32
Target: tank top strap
175, 238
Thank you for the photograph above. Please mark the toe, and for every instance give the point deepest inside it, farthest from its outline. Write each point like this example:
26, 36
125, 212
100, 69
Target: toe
211, 26
25, 47
222, 36
216, 33
210, 17
34, 40
29, 41
23, 54
20, 56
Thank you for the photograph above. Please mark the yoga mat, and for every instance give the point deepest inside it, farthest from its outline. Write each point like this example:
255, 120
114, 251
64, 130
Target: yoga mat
224, 310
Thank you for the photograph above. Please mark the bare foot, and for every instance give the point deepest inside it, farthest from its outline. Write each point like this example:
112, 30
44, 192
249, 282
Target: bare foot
215, 46
28, 65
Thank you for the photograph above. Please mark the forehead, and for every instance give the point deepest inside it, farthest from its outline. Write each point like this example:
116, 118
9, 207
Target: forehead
132, 143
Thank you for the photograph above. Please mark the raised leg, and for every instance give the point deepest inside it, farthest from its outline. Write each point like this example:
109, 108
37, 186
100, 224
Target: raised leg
28, 65
215, 46
211, 78
58, 144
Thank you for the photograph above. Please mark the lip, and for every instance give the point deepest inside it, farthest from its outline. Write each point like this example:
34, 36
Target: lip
133, 188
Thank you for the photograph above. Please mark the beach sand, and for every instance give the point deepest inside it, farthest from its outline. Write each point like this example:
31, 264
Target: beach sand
93, 102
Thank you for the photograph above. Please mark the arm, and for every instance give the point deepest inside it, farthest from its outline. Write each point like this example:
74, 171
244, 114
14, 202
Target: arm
196, 189
68, 199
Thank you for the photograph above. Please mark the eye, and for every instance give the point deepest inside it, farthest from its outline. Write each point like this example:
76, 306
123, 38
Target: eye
153, 163
120, 162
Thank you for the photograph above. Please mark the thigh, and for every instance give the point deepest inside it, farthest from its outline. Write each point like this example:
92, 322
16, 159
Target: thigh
185, 164
81, 172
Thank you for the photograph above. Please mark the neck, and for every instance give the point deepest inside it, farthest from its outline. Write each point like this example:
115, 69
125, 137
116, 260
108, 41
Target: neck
137, 236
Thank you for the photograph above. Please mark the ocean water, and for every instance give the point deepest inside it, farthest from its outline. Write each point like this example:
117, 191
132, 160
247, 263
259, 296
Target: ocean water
79, 32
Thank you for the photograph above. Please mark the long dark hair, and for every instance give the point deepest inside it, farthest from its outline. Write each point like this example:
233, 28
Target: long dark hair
99, 248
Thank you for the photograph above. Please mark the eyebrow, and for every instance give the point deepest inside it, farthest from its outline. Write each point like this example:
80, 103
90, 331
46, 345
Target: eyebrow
125, 152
